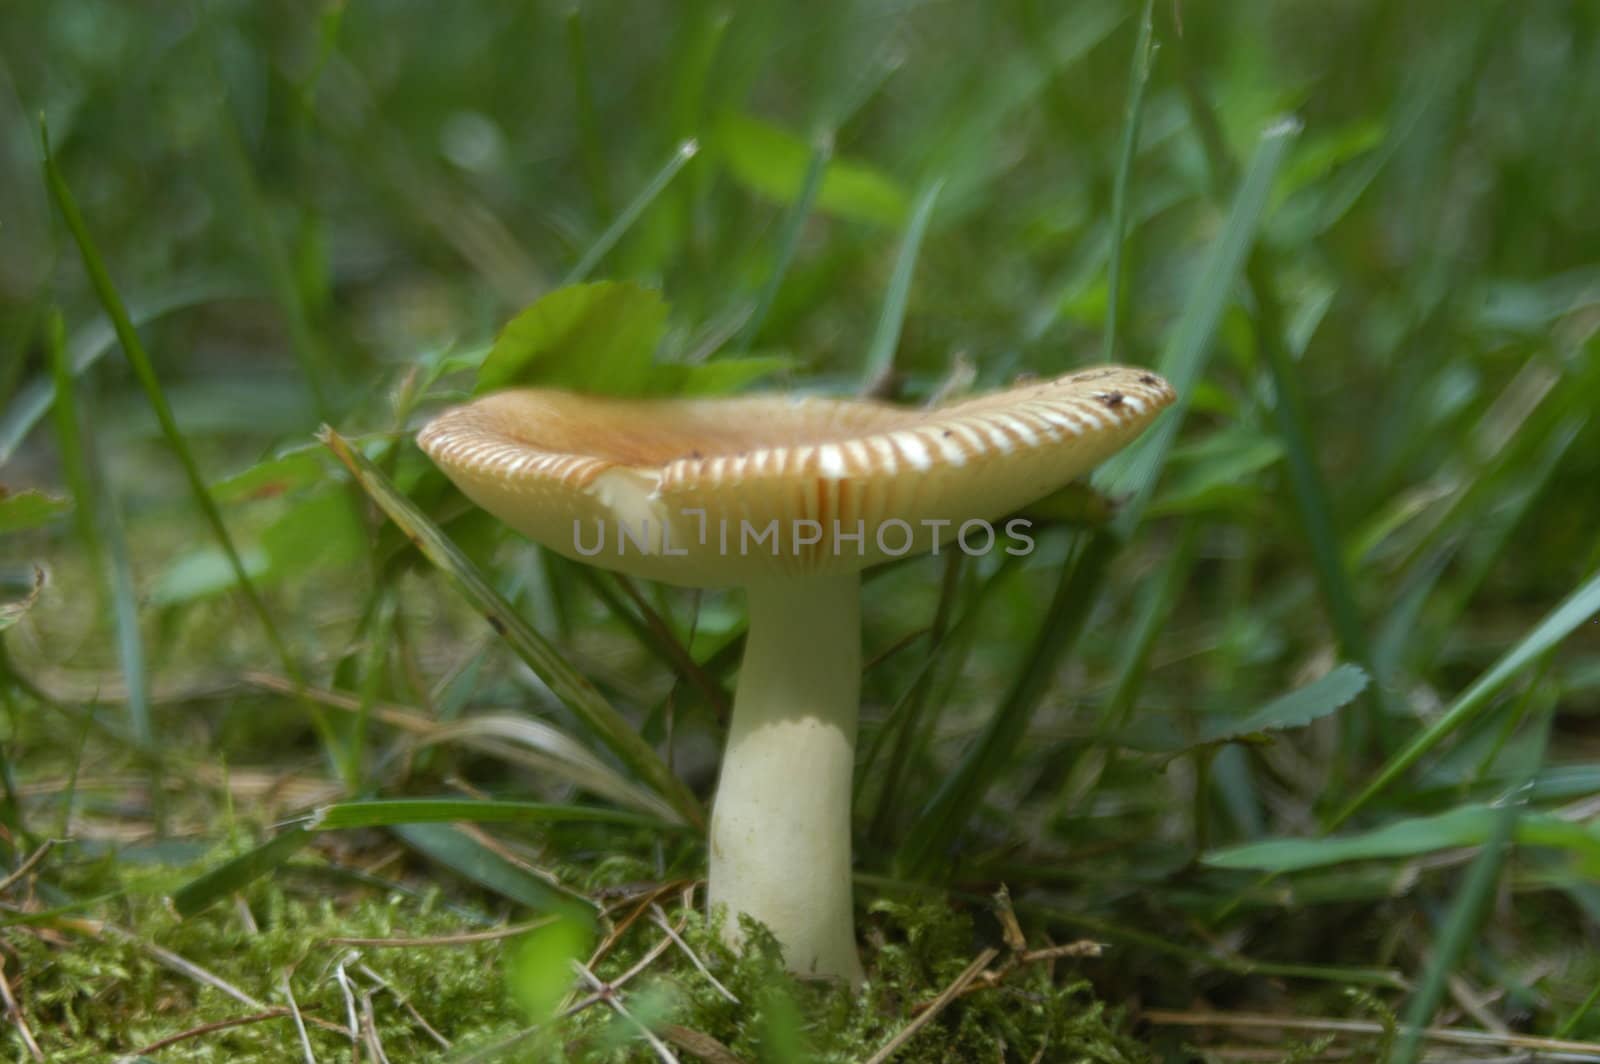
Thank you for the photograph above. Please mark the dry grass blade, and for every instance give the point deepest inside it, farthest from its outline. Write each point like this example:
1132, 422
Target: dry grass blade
18, 1018
700, 1044
660, 919
369, 1023
1551, 1048
936, 1006
275, 1013
556, 752
607, 993
465, 939
405, 1003
549, 749
180, 964
27, 865
299, 1021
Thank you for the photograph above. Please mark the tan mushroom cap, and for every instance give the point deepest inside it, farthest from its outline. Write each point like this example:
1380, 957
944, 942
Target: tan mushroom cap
721, 492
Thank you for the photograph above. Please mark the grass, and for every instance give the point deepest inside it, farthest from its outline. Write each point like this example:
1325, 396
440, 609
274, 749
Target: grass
1284, 735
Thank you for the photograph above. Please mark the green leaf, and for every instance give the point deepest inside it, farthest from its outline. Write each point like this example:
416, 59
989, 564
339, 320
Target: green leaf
1337, 688
598, 337
1317, 699
319, 529
322, 528
204, 572
1469, 825
721, 377
772, 162
272, 477
30, 509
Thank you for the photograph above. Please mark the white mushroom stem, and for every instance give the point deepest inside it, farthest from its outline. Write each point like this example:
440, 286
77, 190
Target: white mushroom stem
780, 828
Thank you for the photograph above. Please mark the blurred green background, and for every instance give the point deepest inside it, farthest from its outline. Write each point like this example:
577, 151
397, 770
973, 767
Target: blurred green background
1360, 237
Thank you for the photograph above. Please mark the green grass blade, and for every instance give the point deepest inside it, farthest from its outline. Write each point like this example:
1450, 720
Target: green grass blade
100, 528
789, 236
880, 352
1561, 622
548, 663
316, 364
958, 797
591, 149
1466, 912
236, 874
630, 214
1184, 362
144, 370
1311, 494
904, 718
472, 860
1467, 825
1138, 78
387, 812
1576, 1016
1134, 473
239, 872
663, 641
69, 440
91, 342
1158, 599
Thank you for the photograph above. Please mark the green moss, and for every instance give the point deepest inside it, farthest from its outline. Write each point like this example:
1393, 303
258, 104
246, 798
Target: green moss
779, 1018
87, 995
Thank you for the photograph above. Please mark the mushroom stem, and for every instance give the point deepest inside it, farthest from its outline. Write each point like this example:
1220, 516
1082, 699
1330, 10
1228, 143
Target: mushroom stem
780, 828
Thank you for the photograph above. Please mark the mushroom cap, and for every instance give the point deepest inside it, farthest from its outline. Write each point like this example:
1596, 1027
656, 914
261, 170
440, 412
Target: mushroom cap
734, 491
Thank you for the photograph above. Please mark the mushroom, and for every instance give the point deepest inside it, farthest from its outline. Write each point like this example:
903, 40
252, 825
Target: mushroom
789, 498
